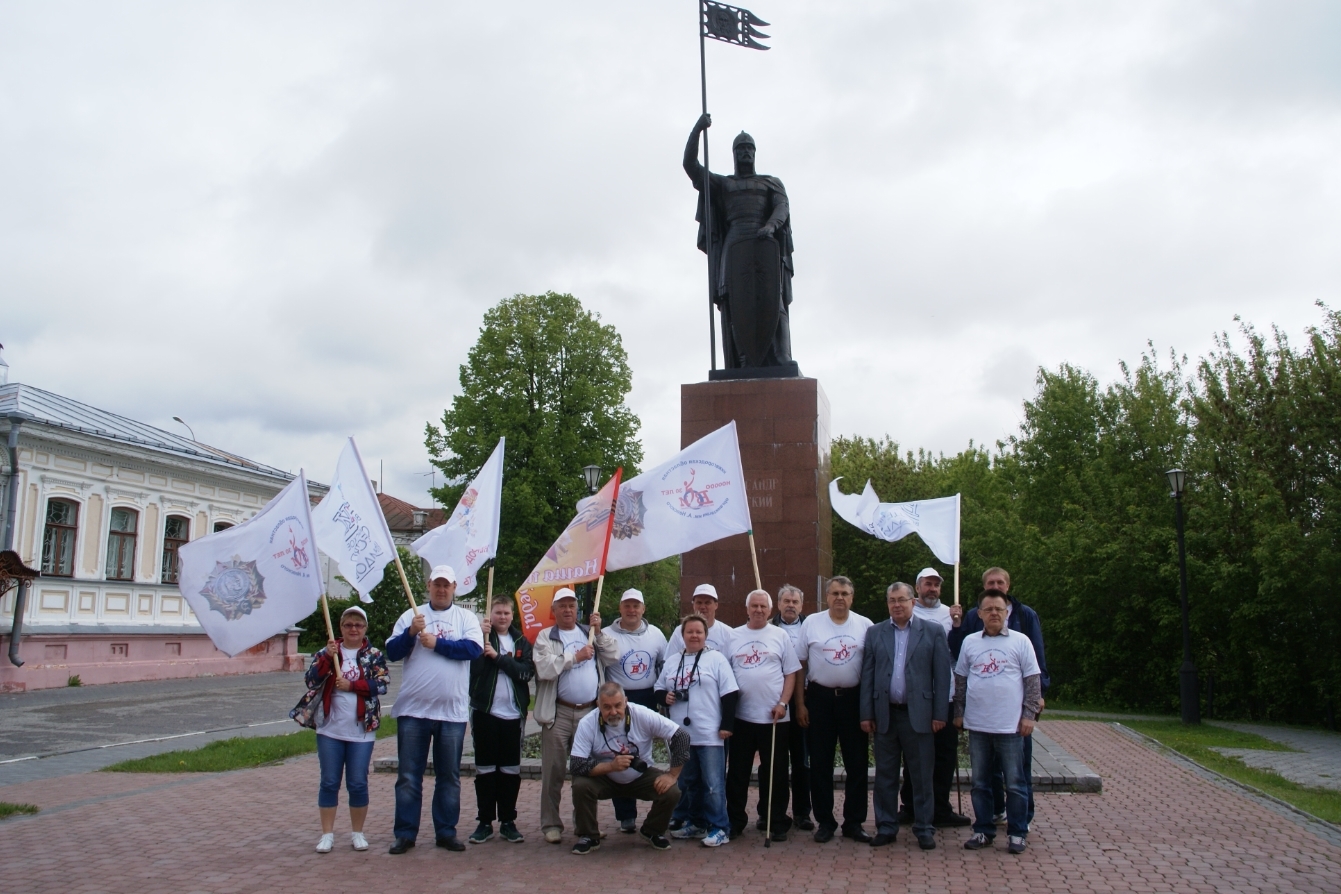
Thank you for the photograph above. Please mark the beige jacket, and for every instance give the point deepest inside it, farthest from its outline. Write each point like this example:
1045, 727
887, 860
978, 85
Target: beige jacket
551, 661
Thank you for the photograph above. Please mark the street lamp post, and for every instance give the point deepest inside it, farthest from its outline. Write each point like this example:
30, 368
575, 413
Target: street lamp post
188, 427
1187, 676
592, 474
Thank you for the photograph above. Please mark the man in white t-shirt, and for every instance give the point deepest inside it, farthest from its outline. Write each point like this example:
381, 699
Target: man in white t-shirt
766, 667
612, 758
719, 635
997, 693
568, 660
929, 607
642, 648
830, 710
437, 642
790, 617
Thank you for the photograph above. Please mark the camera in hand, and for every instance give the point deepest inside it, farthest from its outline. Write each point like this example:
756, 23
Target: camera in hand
681, 695
638, 764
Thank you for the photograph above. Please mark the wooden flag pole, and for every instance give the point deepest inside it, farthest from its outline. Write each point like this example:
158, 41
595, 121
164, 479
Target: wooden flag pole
405, 583
956, 583
758, 581
489, 593
596, 607
326, 610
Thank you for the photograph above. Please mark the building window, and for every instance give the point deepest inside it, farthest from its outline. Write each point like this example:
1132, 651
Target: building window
175, 534
121, 544
59, 540
222, 526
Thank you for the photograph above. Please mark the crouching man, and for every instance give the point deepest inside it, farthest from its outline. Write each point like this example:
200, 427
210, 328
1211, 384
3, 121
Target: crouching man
611, 758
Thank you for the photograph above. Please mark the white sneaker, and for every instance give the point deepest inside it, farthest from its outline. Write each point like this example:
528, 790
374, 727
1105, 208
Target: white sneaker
716, 839
358, 841
326, 843
689, 831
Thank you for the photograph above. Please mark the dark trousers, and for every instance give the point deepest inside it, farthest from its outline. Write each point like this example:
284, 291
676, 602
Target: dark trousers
627, 808
798, 756
942, 774
747, 740
498, 746
587, 790
835, 722
1027, 779
901, 744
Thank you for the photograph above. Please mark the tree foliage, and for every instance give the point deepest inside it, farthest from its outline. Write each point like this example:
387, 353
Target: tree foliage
552, 379
388, 604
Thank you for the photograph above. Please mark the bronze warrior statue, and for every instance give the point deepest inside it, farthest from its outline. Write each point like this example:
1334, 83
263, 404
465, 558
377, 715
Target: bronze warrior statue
751, 255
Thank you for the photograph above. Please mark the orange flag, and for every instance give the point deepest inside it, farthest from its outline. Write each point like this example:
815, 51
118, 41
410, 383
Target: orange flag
576, 557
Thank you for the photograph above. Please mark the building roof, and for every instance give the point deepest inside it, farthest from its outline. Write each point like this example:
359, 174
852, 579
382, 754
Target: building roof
32, 404
400, 515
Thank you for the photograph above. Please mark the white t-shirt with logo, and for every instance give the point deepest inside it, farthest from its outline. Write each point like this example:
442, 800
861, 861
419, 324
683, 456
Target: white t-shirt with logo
343, 721
592, 740
833, 651
639, 654
434, 687
761, 659
940, 614
995, 667
793, 631
719, 638
579, 683
504, 705
708, 679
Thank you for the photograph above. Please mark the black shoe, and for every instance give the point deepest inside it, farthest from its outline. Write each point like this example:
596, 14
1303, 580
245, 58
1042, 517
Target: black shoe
857, 834
401, 846
825, 833
734, 832
508, 832
926, 842
950, 820
882, 839
660, 842
905, 817
585, 846
761, 824
778, 836
451, 844
675, 825
805, 825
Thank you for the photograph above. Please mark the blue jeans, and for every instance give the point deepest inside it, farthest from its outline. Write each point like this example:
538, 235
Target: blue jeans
998, 783
350, 759
703, 781
413, 738
985, 750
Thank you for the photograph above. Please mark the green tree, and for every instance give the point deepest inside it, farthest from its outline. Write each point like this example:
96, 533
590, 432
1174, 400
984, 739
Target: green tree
388, 604
551, 378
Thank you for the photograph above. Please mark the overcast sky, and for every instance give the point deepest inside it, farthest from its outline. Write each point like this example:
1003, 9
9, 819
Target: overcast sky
284, 221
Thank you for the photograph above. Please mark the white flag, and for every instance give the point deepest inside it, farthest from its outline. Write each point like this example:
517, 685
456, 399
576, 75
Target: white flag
470, 537
256, 579
350, 526
935, 521
695, 497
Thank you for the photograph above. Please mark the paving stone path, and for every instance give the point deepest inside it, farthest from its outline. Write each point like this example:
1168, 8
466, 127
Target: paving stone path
1317, 762
1156, 827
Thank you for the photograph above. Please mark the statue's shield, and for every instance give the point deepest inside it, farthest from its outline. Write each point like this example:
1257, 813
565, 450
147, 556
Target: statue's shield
753, 277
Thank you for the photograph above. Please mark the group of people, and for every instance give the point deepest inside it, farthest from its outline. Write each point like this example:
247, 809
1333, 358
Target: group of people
786, 689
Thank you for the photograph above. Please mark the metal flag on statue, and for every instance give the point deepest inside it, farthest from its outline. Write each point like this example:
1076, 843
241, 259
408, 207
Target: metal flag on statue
470, 537
695, 497
731, 24
935, 521
350, 526
256, 579
578, 556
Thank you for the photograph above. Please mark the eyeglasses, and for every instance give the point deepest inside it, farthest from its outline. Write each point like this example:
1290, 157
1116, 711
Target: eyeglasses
991, 611
897, 600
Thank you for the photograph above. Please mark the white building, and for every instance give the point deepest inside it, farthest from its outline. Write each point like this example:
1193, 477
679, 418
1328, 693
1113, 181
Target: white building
101, 505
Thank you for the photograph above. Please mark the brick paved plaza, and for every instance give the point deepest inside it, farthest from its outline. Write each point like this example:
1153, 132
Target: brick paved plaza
1156, 827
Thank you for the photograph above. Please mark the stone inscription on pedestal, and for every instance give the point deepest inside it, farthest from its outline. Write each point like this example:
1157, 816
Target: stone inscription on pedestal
783, 426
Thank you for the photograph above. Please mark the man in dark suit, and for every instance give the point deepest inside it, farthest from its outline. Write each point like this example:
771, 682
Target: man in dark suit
905, 693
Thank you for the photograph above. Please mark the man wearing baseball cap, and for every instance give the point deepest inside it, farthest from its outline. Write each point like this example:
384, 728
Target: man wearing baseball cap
705, 604
437, 642
928, 607
642, 649
568, 661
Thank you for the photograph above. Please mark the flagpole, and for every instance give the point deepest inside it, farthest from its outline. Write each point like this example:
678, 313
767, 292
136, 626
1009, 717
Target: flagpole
489, 591
326, 610
707, 190
404, 581
959, 519
754, 558
596, 607
956, 583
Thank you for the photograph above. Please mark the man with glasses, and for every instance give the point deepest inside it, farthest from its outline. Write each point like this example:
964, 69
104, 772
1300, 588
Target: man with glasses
997, 695
905, 698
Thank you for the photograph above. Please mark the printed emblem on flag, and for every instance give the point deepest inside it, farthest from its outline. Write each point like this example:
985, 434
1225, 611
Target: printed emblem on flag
629, 514
689, 487
294, 548
234, 590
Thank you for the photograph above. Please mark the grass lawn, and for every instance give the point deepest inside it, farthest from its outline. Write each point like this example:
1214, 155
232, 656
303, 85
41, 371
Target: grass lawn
1196, 742
8, 809
234, 754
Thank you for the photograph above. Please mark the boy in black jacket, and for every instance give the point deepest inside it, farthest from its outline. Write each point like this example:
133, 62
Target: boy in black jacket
499, 697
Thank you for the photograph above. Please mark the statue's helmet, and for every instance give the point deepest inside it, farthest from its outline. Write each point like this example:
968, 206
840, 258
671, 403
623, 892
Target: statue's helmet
741, 140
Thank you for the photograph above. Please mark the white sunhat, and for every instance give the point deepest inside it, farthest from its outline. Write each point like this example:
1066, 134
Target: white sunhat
564, 593
444, 572
706, 590
635, 595
928, 572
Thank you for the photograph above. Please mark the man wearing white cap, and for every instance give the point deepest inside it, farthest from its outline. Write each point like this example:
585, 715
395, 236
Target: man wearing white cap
705, 604
568, 661
928, 607
437, 642
642, 649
